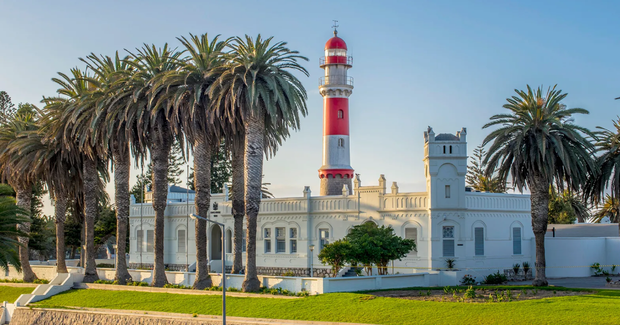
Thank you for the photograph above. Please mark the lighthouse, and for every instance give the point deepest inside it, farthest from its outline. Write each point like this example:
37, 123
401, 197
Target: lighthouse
336, 172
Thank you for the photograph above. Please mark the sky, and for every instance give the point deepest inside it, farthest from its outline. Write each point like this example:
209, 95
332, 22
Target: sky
445, 64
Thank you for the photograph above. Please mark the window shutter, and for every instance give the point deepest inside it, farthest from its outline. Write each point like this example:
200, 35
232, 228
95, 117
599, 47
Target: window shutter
412, 233
150, 240
140, 240
181, 241
479, 240
516, 241
448, 247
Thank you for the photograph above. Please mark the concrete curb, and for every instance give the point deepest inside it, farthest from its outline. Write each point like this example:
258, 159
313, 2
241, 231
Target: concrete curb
113, 287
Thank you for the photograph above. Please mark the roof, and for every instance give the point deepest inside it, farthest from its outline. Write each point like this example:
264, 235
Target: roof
178, 189
446, 137
335, 43
583, 230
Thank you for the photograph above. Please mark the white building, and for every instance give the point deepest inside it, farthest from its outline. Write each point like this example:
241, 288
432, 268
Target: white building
485, 231
481, 231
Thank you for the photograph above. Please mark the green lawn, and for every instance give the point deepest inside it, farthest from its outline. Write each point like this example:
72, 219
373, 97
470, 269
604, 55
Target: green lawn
598, 308
11, 294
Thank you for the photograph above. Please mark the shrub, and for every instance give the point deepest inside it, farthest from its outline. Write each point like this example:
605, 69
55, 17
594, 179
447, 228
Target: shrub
103, 282
105, 265
468, 280
516, 267
450, 263
613, 268
11, 280
40, 281
138, 284
176, 286
495, 278
526, 268
232, 289
470, 293
608, 279
596, 267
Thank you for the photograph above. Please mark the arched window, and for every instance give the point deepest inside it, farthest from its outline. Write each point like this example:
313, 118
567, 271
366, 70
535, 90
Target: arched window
444, 149
450, 149
229, 241
340, 114
341, 142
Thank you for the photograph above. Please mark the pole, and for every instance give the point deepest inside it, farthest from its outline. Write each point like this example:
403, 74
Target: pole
223, 276
311, 263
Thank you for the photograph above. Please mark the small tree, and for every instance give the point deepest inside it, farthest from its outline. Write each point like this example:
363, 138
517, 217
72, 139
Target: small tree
336, 254
377, 245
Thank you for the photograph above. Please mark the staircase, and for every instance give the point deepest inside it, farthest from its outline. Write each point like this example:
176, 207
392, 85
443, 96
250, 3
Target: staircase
350, 273
62, 282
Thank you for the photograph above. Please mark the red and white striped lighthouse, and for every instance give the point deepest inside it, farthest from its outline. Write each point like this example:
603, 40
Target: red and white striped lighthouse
336, 87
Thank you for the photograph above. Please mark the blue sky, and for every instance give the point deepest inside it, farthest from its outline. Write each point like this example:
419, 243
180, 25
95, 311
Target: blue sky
447, 64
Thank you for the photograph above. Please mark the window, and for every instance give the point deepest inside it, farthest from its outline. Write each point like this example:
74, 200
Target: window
139, 240
150, 239
267, 240
323, 238
341, 142
450, 149
293, 240
447, 191
516, 241
229, 237
412, 233
444, 149
479, 241
280, 240
448, 241
340, 114
181, 241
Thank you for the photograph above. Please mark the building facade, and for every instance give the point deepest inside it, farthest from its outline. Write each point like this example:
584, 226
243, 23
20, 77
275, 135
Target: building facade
480, 231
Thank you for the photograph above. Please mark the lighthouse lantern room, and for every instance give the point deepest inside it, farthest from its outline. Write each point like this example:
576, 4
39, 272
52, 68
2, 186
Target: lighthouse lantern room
336, 172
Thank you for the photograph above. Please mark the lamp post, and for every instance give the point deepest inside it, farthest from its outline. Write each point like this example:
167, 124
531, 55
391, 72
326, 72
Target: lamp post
195, 216
311, 260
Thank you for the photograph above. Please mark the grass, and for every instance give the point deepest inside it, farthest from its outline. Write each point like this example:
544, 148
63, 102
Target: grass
596, 308
11, 294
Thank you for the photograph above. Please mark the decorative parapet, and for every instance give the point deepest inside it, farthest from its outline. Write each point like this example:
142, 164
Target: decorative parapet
497, 202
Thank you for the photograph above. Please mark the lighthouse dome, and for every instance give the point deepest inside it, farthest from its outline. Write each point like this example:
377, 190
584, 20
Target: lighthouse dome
335, 43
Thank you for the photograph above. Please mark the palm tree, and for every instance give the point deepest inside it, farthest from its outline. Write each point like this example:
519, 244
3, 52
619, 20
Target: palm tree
56, 168
147, 109
11, 216
608, 166
113, 134
191, 115
260, 89
22, 183
73, 126
610, 208
538, 145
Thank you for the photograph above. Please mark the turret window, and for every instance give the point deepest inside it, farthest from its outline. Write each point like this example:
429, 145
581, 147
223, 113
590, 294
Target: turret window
450, 149
341, 142
444, 149
447, 191
340, 114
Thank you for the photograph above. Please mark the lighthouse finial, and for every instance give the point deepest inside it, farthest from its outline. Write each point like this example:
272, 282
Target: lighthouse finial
334, 26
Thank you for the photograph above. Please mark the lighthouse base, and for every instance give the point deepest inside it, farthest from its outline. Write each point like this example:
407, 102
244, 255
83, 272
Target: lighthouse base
333, 186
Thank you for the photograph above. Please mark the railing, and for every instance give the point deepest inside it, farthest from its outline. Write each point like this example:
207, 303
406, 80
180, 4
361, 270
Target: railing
325, 81
348, 60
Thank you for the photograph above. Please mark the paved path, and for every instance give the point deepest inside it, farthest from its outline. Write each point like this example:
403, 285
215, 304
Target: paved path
586, 282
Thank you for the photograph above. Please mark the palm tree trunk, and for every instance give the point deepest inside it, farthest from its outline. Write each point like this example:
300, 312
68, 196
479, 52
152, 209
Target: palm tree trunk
540, 215
24, 199
60, 210
160, 149
121, 199
202, 185
254, 142
238, 206
90, 213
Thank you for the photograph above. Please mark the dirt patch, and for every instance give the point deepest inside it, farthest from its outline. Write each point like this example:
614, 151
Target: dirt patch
477, 295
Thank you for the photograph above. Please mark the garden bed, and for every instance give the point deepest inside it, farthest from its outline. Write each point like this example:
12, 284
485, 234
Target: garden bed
478, 295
